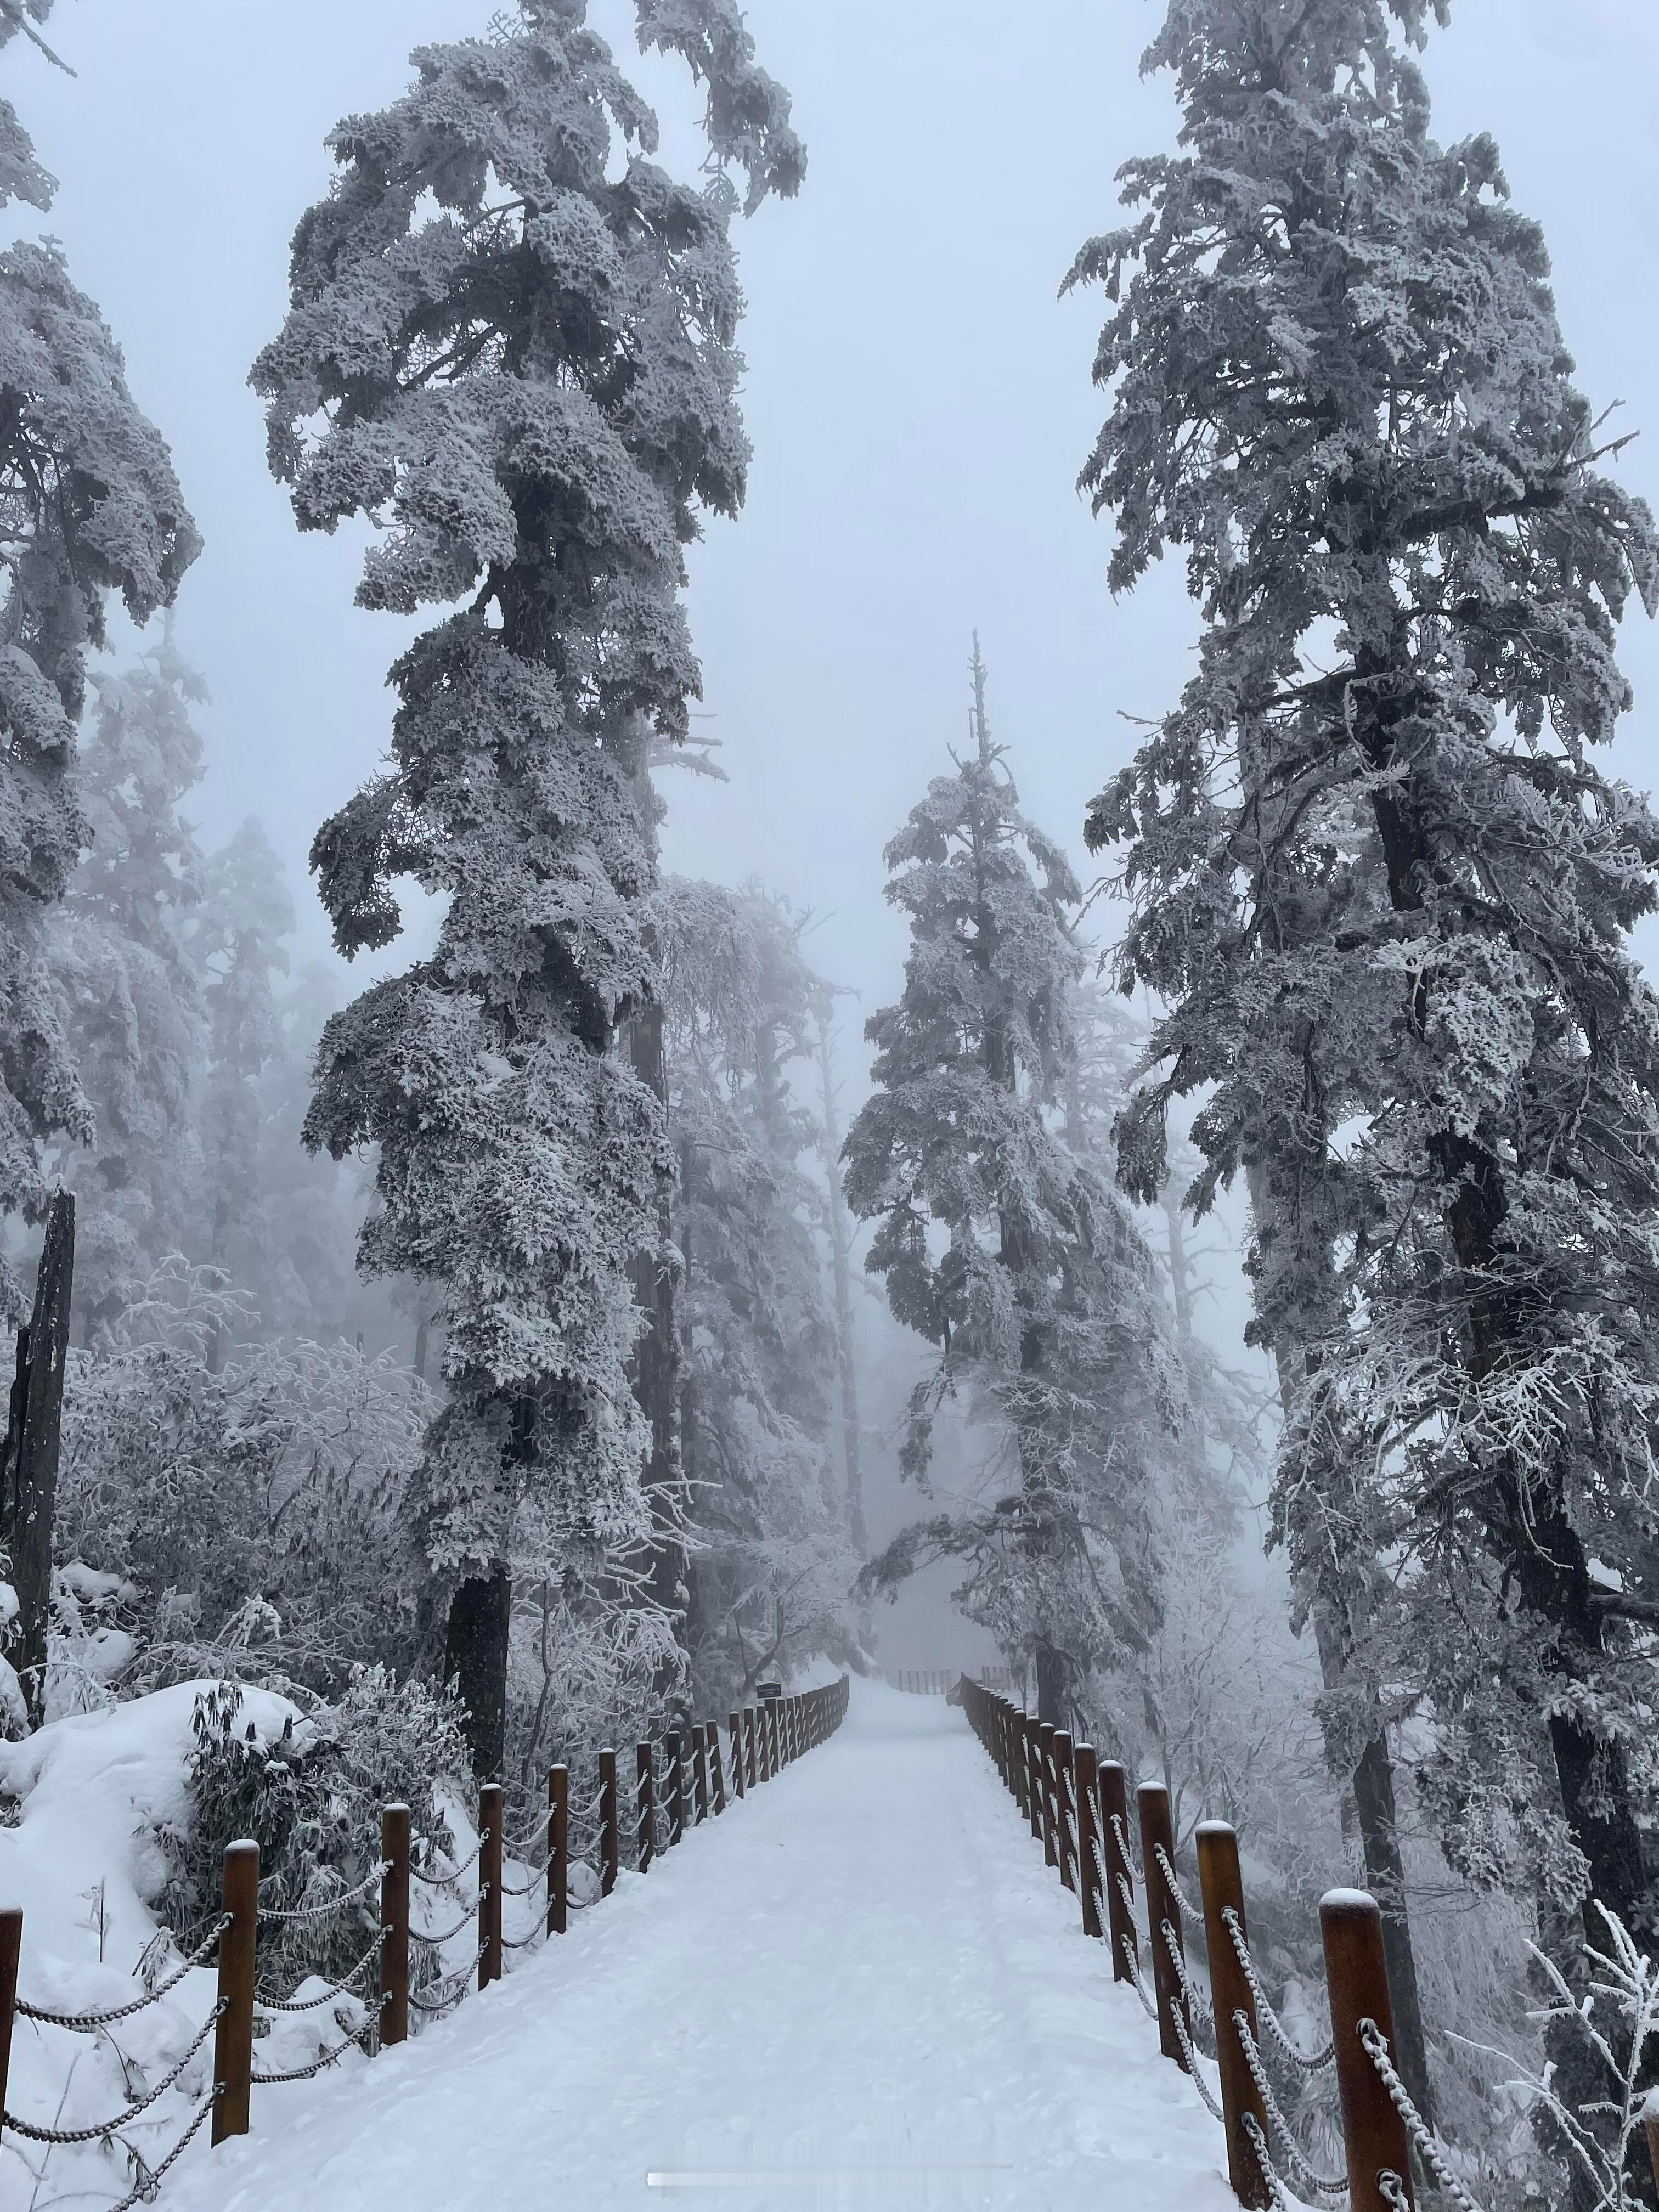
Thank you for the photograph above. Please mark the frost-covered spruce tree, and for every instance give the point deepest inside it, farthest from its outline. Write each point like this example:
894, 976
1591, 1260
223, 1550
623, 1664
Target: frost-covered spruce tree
237, 943
1379, 877
769, 1559
89, 506
997, 1244
512, 344
136, 1020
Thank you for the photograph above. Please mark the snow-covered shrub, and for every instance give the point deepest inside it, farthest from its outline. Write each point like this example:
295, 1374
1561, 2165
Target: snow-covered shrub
312, 1800
251, 1514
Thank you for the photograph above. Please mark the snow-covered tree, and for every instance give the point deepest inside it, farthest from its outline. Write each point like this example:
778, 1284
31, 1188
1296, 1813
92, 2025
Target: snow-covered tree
89, 506
237, 941
135, 1021
1383, 886
998, 1243
770, 1562
512, 344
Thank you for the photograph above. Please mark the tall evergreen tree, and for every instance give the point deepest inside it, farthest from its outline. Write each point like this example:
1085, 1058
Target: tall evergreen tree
997, 1244
770, 1559
136, 1022
238, 944
512, 340
839, 1229
89, 505
1386, 890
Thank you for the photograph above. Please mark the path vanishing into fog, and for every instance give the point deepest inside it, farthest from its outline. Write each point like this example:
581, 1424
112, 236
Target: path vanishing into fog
858, 1987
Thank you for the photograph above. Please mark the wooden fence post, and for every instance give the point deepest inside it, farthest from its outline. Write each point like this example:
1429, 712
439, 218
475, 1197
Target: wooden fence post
11, 1945
646, 1837
394, 1924
734, 1729
492, 1806
674, 1777
1115, 1834
1063, 1813
610, 1843
232, 2037
1033, 1775
1373, 2133
716, 1776
1088, 1853
699, 1768
558, 1850
749, 1744
1046, 1769
1223, 1892
1163, 1909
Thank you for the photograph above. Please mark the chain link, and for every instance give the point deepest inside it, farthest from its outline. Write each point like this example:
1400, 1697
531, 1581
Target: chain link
1283, 2201
340, 1989
1264, 2010
1299, 2157
86, 2023
323, 2058
143, 2104
1377, 2049
144, 2191
329, 1905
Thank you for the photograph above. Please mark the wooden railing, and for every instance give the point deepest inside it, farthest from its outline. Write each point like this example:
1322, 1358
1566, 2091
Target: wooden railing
398, 1974
1076, 1808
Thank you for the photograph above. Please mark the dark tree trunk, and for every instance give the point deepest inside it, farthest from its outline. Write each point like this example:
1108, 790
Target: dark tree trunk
1050, 1686
656, 1363
840, 1255
475, 1660
35, 1485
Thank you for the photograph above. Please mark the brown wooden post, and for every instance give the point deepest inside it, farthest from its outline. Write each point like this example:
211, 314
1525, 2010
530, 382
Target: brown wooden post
699, 1768
1046, 1773
1088, 1853
394, 1924
1115, 1834
1373, 2132
1019, 1778
750, 1745
1033, 1774
1223, 1892
11, 1945
1163, 1909
716, 1774
492, 1807
674, 1784
232, 2037
734, 1729
646, 1835
609, 1842
558, 1850
1065, 1824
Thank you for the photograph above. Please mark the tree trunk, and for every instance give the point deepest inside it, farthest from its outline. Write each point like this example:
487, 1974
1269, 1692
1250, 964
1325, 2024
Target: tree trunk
840, 1255
1050, 1686
655, 1366
35, 1489
475, 1660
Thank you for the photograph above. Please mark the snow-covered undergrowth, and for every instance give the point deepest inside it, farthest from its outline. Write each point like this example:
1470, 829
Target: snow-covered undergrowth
99, 1819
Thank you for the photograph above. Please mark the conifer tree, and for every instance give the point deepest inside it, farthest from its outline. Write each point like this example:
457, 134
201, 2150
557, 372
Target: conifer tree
1040, 1300
136, 1023
238, 944
1386, 890
512, 341
90, 506
769, 1561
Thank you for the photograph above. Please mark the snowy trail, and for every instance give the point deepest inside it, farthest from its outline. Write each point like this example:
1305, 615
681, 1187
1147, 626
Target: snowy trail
859, 1987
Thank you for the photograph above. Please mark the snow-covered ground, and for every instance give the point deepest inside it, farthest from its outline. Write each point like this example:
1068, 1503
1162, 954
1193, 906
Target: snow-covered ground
859, 1987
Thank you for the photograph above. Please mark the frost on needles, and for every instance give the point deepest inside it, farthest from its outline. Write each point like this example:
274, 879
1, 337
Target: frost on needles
512, 345
1385, 890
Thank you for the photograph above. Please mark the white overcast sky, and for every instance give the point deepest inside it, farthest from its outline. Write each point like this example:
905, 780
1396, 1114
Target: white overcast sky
919, 401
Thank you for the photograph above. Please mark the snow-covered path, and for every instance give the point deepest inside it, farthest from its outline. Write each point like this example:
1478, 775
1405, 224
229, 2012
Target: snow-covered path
859, 1987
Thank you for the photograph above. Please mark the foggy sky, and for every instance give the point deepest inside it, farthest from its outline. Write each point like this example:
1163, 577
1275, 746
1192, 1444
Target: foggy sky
919, 402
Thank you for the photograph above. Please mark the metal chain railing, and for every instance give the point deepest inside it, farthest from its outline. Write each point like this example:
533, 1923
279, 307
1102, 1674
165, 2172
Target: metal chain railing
1264, 2011
1375, 2047
89, 2023
325, 1908
1325, 2184
137, 2105
342, 1988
